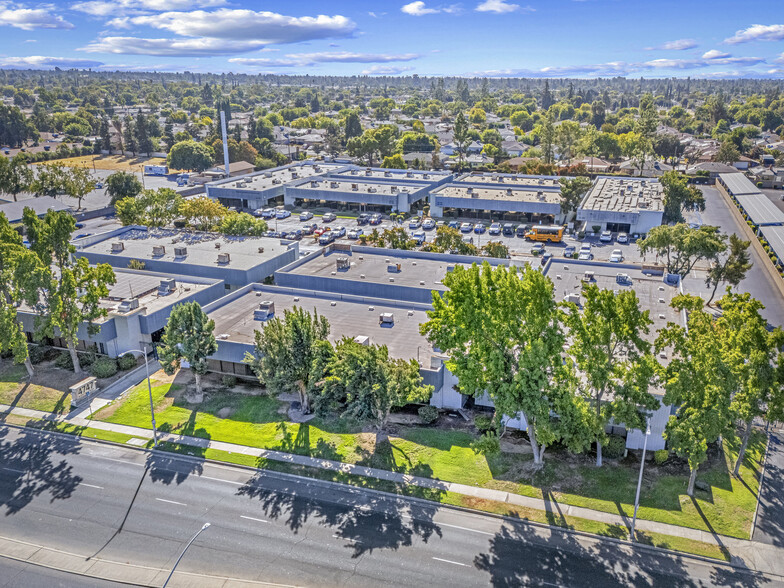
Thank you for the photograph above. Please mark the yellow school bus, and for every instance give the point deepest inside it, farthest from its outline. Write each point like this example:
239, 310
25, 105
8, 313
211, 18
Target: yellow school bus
552, 233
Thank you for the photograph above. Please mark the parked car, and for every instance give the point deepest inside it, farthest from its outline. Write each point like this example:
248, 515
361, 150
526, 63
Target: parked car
537, 249
616, 256
546, 256
509, 229
309, 228
328, 217
428, 224
375, 219
569, 251
281, 214
419, 236
453, 225
257, 212
320, 231
414, 223
479, 228
326, 238
98, 185
355, 233
363, 218
338, 232
268, 213
521, 230
606, 236
622, 238
305, 216
585, 253
466, 228
495, 229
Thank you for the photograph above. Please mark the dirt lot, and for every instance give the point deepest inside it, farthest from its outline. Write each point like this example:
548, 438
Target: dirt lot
110, 162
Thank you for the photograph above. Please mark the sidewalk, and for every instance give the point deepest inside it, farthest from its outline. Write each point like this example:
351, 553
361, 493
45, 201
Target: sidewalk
753, 555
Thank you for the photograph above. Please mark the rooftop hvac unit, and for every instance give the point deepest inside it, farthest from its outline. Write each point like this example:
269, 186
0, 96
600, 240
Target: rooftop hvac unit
540, 195
333, 184
362, 340
470, 190
180, 252
118, 246
167, 286
217, 244
224, 258
158, 250
409, 174
368, 172
314, 184
317, 168
387, 174
261, 249
294, 175
267, 174
276, 180
265, 310
501, 179
343, 263
426, 176
354, 187
394, 268
128, 305
573, 298
386, 318
393, 189
508, 191
372, 189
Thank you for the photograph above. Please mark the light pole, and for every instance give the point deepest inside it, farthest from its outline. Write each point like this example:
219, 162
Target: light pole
204, 526
149, 389
639, 480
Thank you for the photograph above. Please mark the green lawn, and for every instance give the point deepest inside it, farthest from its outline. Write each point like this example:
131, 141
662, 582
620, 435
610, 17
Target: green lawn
255, 421
15, 390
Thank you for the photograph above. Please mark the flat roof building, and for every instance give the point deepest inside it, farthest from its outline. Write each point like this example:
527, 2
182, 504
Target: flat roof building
235, 260
515, 180
630, 205
521, 202
373, 195
41, 205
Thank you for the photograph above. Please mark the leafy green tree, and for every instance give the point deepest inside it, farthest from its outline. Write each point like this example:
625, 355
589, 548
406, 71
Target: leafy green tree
450, 240
50, 180
728, 152
190, 155
611, 353
142, 134
754, 356
411, 142
242, 223
151, 208
129, 135
189, 336
353, 126
363, 147
679, 196
567, 136
547, 138
73, 290
78, 183
683, 247
572, 192
365, 383
461, 137
121, 185
732, 269
395, 161
15, 175
502, 331
288, 350
496, 249
202, 212
698, 381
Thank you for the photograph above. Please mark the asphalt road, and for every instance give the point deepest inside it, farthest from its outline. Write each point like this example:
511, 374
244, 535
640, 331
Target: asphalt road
758, 281
770, 516
15, 574
127, 505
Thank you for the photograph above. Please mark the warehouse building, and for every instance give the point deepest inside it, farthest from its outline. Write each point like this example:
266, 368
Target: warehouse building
235, 260
138, 307
359, 194
628, 205
494, 201
513, 180
755, 206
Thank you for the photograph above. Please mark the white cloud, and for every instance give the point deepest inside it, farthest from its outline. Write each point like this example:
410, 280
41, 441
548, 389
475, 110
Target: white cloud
714, 54
500, 7
677, 45
419, 8
181, 47
385, 70
103, 9
39, 61
266, 27
28, 19
757, 32
779, 59
305, 59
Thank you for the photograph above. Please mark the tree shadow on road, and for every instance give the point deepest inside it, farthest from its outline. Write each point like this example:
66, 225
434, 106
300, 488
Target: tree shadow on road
31, 468
166, 468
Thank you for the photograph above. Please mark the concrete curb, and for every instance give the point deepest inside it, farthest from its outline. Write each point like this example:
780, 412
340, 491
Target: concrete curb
421, 501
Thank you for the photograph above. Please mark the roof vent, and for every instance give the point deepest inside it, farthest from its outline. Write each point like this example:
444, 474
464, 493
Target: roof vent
362, 340
386, 318
354, 187
265, 310
158, 250
166, 286
224, 258
387, 174
128, 305
261, 249
118, 246
294, 175
296, 299
180, 252
342, 263
394, 267
333, 303
217, 244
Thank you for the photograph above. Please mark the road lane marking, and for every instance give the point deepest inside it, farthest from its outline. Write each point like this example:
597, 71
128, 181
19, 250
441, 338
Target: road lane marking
14, 470
253, 519
464, 528
91, 485
457, 563
222, 480
171, 501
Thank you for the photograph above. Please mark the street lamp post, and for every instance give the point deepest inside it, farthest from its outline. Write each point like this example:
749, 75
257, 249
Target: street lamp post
149, 389
639, 480
204, 526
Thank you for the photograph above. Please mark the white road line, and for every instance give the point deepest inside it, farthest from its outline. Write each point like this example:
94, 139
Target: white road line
457, 563
91, 485
141, 465
463, 528
347, 539
171, 501
13, 470
222, 480
253, 519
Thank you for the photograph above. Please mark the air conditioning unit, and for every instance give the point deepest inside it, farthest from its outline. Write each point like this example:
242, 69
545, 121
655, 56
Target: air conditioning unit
387, 174
333, 184
265, 310
372, 189
354, 187
167, 286
267, 174
180, 252
386, 318
158, 250
276, 180
342, 263
393, 189
224, 258
294, 175
128, 305
118, 246
314, 184
362, 340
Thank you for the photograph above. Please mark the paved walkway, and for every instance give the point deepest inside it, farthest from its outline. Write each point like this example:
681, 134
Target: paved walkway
755, 555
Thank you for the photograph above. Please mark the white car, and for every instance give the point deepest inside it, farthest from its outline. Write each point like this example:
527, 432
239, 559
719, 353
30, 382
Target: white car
606, 236
414, 223
466, 228
328, 217
355, 233
281, 214
305, 216
495, 229
622, 238
585, 253
616, 256
428, 224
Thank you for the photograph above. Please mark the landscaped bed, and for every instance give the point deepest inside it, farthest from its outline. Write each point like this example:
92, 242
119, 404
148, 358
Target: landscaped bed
445, 452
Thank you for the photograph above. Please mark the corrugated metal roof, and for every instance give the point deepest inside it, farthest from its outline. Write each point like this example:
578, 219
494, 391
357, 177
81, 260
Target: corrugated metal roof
13, 210
774, 235
738, 184
760, 210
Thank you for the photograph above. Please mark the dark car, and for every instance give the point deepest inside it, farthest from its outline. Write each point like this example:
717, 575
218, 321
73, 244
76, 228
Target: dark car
454, 225
521, 230
509, 229
375, 219
363, 218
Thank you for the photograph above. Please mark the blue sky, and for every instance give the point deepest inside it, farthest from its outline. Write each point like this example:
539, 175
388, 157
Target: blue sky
544, 38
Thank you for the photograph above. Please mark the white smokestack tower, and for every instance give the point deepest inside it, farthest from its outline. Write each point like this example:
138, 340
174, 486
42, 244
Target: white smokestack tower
225, 142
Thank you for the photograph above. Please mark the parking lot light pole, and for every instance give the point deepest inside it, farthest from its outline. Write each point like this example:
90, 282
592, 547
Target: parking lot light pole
204, 526
639, 480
